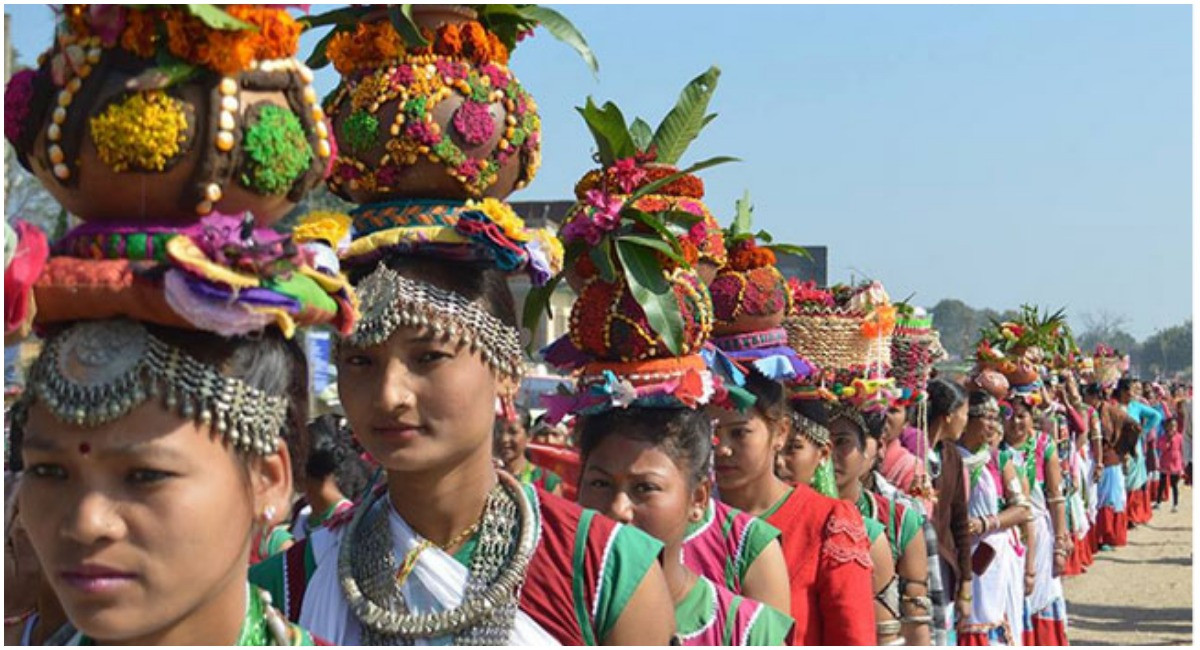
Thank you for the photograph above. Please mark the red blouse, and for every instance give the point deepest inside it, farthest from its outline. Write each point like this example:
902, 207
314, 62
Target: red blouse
828, 555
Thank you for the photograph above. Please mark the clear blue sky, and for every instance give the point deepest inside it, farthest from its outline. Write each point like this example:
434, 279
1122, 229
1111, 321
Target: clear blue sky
995, 154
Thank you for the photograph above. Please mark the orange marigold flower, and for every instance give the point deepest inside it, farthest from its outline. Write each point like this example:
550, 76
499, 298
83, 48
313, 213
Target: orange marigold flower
140, 33
475, 45
342, 51
229, 52
499, 52
448, 41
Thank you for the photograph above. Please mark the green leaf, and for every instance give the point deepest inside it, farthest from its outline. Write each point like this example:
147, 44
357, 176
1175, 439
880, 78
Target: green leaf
562, 29
344, 16
167, 72
405, 26
641, 133
743, 215
684, 122
607, 125
655, 223
651, 188
764, 237
655, 244
216, 18
791, 249
602, 257
652, 291
682, 218
318, 59
537, 302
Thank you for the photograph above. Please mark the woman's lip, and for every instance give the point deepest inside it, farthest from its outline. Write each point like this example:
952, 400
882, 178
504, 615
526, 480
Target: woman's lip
724, 469
94, 579
393, 431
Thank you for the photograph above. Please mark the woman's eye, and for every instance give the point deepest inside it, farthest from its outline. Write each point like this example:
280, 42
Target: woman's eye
433, 356
356, 360
46, 471
146, 476
598, 483
646, 487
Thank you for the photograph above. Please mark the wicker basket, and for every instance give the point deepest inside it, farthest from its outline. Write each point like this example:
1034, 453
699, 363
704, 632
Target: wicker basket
1108, 369
832, 338
913, 354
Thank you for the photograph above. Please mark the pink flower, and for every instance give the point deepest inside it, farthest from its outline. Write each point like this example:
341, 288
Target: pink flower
606, 212
522, 35
420, 131
107, 21
627, 174
388, 175
692, 207
347, 171
451, 69
403, 75
582, 228
495, 75
474, 122
18, 97
470, 168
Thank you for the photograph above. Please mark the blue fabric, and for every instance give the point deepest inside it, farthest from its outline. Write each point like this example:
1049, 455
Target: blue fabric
1110, 492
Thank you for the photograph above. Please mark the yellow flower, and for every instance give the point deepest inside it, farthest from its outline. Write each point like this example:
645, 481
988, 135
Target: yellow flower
551, 246
142, 132
503, 216
322, 225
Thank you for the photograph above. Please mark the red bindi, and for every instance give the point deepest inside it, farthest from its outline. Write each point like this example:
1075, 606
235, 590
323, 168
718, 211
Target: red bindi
85, 448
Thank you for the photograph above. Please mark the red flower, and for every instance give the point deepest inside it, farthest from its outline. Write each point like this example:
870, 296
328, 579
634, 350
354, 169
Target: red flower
627, 174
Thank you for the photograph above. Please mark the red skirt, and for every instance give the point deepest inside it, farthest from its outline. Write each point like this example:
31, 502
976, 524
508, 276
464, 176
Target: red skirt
1111, 527
1046, 631
973, 638
1093, 540
1073, 565
1084, 548
1152, 490
1136, 508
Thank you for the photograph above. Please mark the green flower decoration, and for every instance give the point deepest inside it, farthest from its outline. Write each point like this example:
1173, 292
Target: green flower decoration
277, 151
360, 130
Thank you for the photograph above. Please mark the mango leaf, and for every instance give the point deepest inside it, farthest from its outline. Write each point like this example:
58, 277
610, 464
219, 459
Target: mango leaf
684, 122
653, 293
537, 302
318, 59
343, 16
562, 29
405, 26
216, 18
791, 249
607, 125
764, 237
744, 215
602, 257
167, 72
655, 244
651, 188
656, 224
641, 134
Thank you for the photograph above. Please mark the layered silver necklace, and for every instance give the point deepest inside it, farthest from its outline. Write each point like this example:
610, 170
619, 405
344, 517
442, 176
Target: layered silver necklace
367, 572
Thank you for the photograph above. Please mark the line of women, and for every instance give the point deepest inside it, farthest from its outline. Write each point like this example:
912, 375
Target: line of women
719, 478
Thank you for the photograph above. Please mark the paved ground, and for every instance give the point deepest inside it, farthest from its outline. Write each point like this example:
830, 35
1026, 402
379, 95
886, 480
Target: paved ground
1140, 594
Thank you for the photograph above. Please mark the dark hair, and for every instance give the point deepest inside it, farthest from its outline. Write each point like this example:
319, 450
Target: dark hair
771, 402
683, 434
523, 417
471, 281
977, 397
945, 397
332, 452
876, 421
1124, 385
1093, 389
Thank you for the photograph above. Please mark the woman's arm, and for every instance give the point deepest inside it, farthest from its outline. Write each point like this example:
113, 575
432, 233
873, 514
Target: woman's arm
1057, 504
915, 607
767, 579
648, 617
887, 598
844, 581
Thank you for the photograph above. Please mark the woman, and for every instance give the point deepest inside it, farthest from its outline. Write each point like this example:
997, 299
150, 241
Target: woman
649, 467
142, 522
1112, 520
1128, 394
512, 436
332, 470
852, 459
1037, 461
422, 380
805, 457
1170, 449
998, 507
947, 419
823, 539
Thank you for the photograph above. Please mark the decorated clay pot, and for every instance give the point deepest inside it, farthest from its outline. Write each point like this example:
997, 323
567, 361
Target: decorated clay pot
749, 301
115, 143
616, 325
990, 381
449, 123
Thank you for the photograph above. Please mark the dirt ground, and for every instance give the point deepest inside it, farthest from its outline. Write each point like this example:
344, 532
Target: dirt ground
1140, 594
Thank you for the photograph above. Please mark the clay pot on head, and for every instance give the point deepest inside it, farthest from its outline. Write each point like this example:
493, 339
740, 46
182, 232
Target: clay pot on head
112, 145
433, 126
749, 301
991, 382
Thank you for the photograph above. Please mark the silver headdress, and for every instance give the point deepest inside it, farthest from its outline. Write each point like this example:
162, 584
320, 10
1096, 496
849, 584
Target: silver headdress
390, 300
97, 371
984, 409
850, 412
810, 429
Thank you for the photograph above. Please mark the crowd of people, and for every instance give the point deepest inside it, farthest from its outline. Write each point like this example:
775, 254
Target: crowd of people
774, 462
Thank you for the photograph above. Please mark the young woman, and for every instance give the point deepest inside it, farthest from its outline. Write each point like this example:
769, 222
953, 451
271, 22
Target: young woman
467, 554
1112, 520
649, 467
852, 459
947, 419
805, 457
332, 471
824, 541
141, 509
1170, 449
998, 507
512, 436
1037, 460
1128, 394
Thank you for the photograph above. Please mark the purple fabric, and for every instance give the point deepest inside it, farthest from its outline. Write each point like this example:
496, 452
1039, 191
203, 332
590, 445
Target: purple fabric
914, 441
563, 354
252, 296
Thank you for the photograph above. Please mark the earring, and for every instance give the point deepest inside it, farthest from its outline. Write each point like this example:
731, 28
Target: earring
269, 514
697, 515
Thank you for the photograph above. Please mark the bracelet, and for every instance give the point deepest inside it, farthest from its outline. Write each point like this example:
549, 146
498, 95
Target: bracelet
1057, 499
17, 619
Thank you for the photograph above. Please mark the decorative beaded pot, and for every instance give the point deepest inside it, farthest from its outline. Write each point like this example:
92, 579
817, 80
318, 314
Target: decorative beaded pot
113, 139
753, 300
609, 324
452, 122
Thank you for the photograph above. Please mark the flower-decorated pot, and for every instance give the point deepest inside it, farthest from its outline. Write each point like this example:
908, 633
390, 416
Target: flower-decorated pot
448, 121
749, 301
609, 324
600, 194
113, 138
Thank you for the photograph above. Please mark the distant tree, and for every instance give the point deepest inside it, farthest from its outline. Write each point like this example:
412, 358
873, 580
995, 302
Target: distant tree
25, 198
1108, 328
1167, 352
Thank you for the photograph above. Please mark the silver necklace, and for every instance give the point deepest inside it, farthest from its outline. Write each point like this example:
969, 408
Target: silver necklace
367, 573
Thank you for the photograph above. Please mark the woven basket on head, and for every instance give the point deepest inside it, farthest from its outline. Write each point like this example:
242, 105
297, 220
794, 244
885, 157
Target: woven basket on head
913, 354
1108, 369
833, 338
